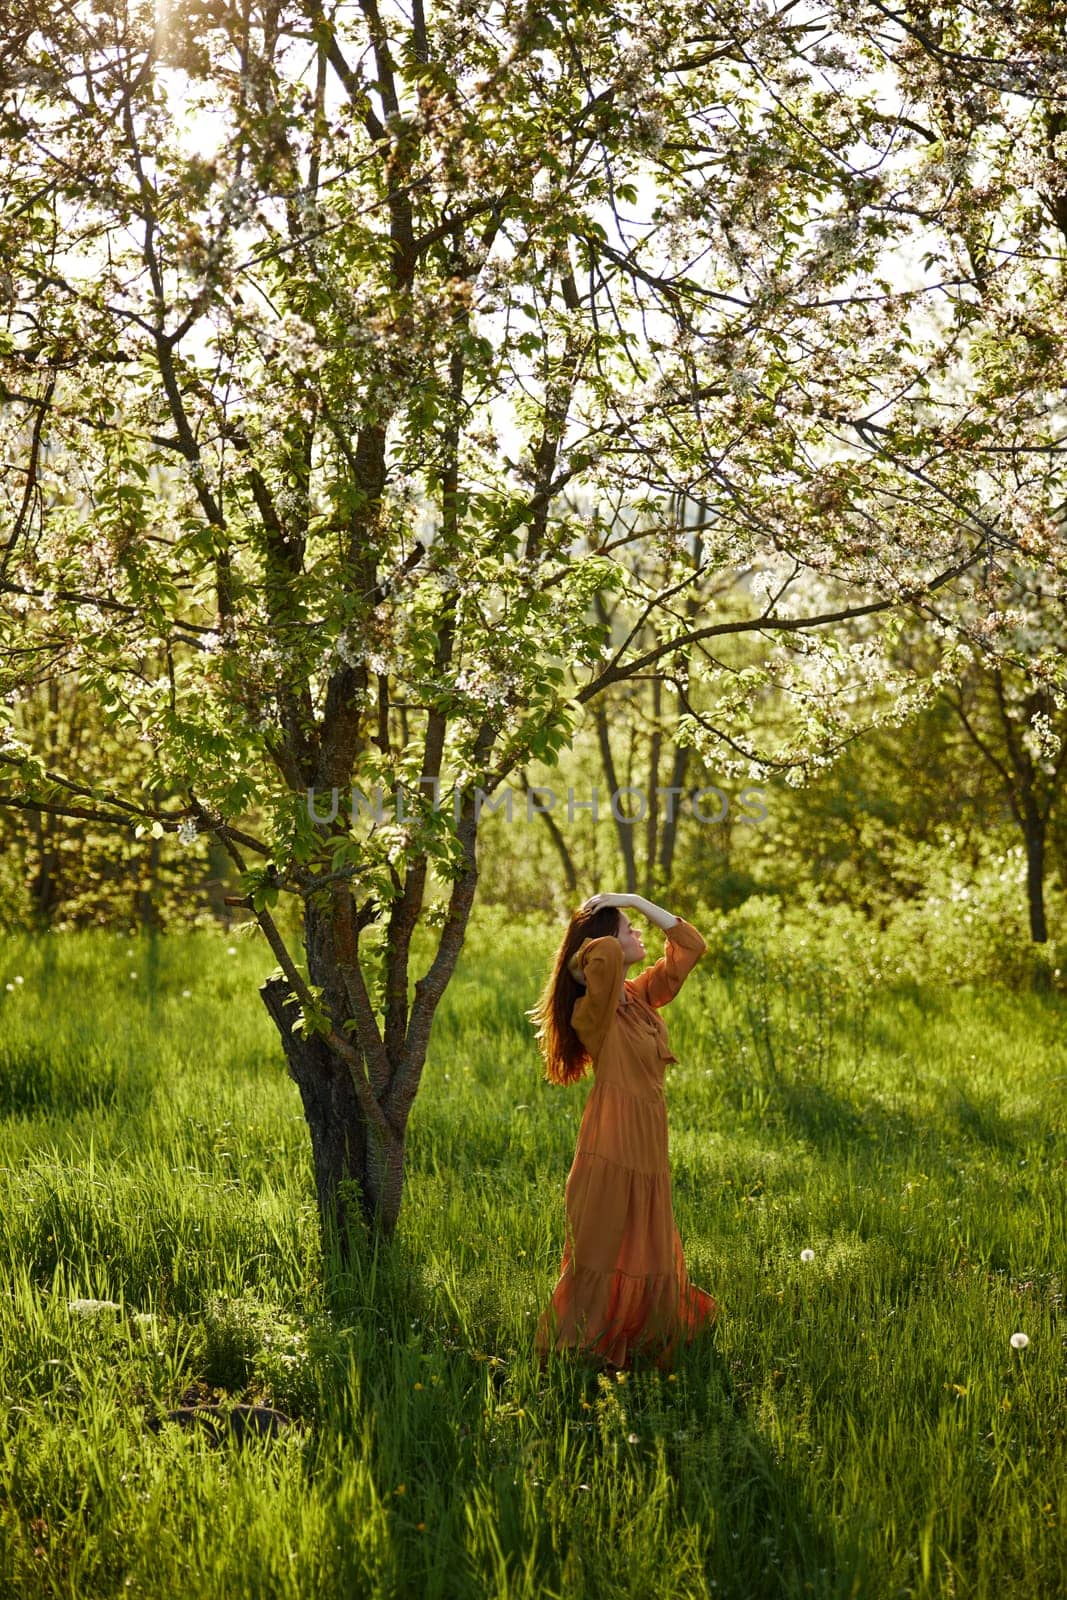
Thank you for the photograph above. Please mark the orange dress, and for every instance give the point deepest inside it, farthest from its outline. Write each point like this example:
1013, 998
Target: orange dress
622, 1286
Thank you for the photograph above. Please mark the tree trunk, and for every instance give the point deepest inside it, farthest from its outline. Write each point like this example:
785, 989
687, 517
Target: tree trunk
358, 1113
650, 885
570, 871
669, 834
1034, 833
45, 888
146, 896
624, 830
358, 1191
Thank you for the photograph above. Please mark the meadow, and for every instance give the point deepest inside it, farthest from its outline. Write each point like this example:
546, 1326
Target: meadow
860, 1423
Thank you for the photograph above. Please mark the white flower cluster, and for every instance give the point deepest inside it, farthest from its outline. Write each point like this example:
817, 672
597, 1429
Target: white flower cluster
651, 130
634, 59
490, 688
765, 582
289, 503
634, 69
998, 621
836, 239
742, 380
100, 558
1040, 738
346, 651
187, 831
292, 341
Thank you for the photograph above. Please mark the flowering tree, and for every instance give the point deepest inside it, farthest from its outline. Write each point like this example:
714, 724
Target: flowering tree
274, 273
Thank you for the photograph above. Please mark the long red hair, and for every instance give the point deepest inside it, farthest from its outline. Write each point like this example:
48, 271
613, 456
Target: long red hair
565, 1056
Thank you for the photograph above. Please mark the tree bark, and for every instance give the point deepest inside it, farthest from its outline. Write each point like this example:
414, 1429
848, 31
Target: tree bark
669, 833
1034, 825
570, 871
339, 1143
624, 831
45, 892
650, 886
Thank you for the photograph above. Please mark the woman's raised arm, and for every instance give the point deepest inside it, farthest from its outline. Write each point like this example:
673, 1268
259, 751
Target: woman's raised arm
600, 965
659, 984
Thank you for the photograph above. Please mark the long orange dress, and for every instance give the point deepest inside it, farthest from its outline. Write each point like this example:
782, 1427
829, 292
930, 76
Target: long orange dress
622, 1286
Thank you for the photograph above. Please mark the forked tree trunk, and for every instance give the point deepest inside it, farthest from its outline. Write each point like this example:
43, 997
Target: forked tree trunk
358, 1156
358, 1188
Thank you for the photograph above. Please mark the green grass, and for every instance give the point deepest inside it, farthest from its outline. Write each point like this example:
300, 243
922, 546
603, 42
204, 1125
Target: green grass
858, 1425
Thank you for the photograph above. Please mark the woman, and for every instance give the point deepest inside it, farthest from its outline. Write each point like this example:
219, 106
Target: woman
622, 1286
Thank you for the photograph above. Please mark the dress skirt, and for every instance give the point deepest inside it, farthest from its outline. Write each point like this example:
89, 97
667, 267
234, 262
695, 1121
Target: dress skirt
622, 1289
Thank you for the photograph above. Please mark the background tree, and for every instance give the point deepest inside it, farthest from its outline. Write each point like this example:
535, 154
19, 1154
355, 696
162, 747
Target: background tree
1018, 725
61, 870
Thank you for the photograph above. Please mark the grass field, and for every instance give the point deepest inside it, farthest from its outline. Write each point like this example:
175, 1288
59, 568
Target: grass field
859, 1424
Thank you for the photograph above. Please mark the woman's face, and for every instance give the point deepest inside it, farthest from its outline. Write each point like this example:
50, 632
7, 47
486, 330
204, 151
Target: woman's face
633, 946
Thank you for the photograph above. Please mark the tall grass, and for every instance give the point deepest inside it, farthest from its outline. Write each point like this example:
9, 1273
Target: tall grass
859, 1424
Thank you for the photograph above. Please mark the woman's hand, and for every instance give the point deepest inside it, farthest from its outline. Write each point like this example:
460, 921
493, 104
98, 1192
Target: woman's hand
634, 902
596, 901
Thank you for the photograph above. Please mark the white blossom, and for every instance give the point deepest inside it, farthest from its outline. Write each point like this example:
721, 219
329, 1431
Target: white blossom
742, 380
652, 131
1040, 738
345, 651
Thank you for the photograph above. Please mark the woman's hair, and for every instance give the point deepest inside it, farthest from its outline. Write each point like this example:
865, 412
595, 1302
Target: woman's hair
565, 1056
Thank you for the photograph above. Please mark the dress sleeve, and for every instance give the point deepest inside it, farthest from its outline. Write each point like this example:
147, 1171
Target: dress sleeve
659, 984
601, 966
